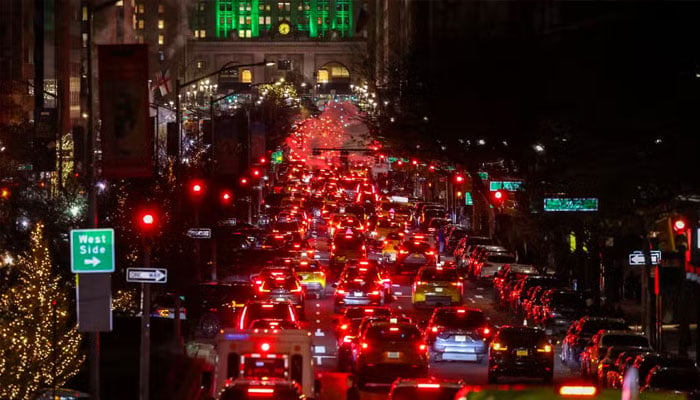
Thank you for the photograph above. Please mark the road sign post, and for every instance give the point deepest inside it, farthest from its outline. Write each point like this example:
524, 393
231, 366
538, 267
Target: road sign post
147, 275
92, 251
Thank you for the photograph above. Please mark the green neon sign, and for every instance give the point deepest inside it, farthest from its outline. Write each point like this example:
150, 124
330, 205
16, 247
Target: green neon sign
571, 204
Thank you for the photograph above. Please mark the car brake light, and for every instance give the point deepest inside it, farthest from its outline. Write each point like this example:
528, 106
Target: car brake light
435, 329
430, 252
577, 390
498, 347
403, 251
429, 386
419, 283
374, 293
461, 311
487, 331
546, 349
348, 339
422, 347
265, 347
268, 305
261, 391
459, 284
394, 329
343, 327
340, 291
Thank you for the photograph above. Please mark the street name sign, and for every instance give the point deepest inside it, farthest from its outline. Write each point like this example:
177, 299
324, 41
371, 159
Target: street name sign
637, 257
92, 251
147, 275
199, 233
570, 204
512, 186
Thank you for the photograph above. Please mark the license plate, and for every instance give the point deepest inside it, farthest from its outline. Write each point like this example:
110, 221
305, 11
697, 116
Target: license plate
438, 289
280, 299
521, 353
460, 338
392, 354
358, 294
416, 256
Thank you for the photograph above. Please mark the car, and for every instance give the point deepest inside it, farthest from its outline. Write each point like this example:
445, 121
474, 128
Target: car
268, 388
387, 351
607, 363
645, 362
213, 306
596, 350
282, 288
312, 276
508, 273
458, 334
413, 255
558, 308
424, 388
437, 286
675, 380
347, 328
390, 246
257, 310
520, 352
346, 246
490, 263
357, 287
581, 332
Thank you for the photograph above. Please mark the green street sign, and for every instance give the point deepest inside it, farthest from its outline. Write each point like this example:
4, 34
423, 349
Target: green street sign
468, 201
571, 204
484, 176
91, 251
512, 186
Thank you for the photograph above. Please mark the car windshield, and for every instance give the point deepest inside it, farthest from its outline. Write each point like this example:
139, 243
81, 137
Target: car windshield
349, 244
460, 320
390, 333
500, 258
427, 392
434, 274
625, 340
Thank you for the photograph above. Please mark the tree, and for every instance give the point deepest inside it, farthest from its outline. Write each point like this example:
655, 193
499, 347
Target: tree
39, 342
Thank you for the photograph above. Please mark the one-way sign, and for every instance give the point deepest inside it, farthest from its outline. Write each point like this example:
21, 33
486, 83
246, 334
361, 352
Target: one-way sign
637, 257
147, 275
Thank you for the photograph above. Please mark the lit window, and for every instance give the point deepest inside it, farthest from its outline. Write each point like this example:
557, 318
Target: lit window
161, 9
202, 34
241, 20
141, 39
85, 14
268, 20
322, 76
161, 24
196, 34
261, 20
200, 64
141, 9
246, 76
247, 33
140, 24
161, 40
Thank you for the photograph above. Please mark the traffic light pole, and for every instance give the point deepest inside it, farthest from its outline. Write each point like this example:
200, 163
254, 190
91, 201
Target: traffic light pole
145, 356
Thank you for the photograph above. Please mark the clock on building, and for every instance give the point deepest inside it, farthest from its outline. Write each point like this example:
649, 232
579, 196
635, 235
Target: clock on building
284, 28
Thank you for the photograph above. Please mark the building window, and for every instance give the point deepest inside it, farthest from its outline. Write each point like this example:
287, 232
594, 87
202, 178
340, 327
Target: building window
196, 34
161, 24
161, 40
140, 39
322, 76
85, 13
202, 33
141, 9
161, 9
200, 64
140, 24
246, 76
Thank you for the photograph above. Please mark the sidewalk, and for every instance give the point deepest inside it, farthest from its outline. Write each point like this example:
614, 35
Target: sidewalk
633, 314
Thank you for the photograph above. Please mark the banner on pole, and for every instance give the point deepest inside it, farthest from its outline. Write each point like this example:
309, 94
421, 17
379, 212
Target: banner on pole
126, 133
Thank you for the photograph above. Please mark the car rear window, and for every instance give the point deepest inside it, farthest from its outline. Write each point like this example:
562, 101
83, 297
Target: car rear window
389, 333
592, 327
433, 274
519, 337
567, 299
625, 340
455, 319
286, 226
501, 259
418, 247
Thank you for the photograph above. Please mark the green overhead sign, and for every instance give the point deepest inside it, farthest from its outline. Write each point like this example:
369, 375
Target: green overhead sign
571, 204
92, 251
484, 176
512, 186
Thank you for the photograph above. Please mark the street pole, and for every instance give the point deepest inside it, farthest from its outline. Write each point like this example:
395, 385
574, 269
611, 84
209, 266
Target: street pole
144, 362
178, 119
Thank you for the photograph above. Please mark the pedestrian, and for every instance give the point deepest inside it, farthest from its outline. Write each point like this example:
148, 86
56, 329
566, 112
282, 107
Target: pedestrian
352, 392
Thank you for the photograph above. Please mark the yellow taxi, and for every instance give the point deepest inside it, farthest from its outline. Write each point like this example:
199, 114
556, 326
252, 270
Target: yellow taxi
312, 276
437, 286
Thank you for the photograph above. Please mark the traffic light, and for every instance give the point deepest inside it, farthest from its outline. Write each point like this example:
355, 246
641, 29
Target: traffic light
262, 160
458, 179
226, 197
679, 238
5, 193
431, 168
414, 162
678, 225
256, 173
244, 181
499, 197
196, 190
147, 221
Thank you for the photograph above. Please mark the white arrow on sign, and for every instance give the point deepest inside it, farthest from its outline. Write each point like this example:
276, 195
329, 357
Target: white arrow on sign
92, 261
146, 275
637, 258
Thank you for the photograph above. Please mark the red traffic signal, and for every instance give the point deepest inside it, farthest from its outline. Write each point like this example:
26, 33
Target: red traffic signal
244, 181
256, 173
147, 221
678, 225
226, 197
459, 179
431, 167
262, 160
499, 197
196, 189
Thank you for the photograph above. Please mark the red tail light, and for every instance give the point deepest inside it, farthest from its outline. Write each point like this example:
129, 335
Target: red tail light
343, 327
486, 331
422, 347
340, 291
429, 386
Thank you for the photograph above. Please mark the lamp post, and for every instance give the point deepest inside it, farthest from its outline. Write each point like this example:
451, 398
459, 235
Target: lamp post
178, 86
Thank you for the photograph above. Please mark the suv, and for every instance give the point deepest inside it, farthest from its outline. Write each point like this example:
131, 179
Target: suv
255, 310
437, 286
389, 350
580, 333
521, 351
458, 333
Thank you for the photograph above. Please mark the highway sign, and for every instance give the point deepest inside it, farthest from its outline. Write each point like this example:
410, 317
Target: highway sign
571, 204
91, 251
637, 257
147, 275
199, 233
